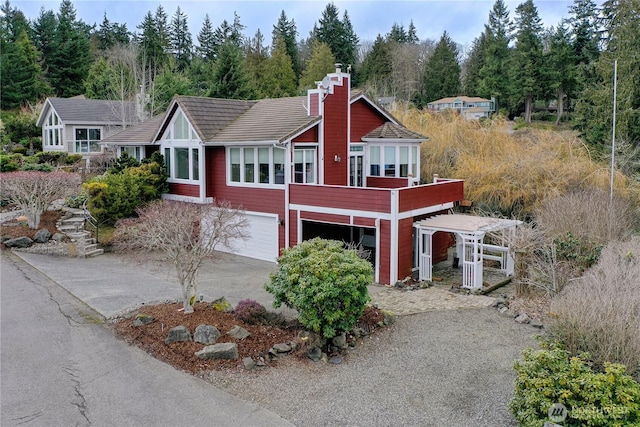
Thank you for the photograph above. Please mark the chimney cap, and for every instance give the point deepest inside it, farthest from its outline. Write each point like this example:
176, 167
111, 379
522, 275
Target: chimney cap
338, 67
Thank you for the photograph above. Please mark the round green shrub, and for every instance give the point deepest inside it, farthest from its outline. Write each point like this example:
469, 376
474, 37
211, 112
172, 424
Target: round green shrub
550, 375
324, 282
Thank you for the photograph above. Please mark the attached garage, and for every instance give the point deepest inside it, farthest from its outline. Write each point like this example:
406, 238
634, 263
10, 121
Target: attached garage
262, 241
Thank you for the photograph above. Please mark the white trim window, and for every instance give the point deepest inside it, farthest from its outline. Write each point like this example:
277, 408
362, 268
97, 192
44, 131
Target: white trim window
255, 166
395, 161
304, 165
86, 140
52, 131
182, 151
132, 150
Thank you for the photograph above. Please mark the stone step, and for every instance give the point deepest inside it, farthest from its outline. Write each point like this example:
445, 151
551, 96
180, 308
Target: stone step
72, 221
90, 247
93, 253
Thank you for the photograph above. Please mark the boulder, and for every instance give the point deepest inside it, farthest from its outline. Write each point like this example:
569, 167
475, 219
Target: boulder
19, 242
206, 334
42, 236
536, 324
281, 348
225, 350
340, 341
336, 360
239, 333
142, 319
179, 333
522, 318
58, 237
249, 363
221, 304
315, 354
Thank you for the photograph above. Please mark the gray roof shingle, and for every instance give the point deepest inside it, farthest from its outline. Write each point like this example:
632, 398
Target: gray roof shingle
141, 134
393, 131
93, 111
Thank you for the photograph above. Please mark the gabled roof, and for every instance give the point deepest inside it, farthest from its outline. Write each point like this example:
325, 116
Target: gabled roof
88, 111
393, 131
274, 120
358, 94
142, 134
208, 116
452, 99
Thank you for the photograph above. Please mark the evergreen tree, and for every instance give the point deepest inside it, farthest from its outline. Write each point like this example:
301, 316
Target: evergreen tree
377, 68
230, 77
277, 78
71, 53
13, 22
442, 72
338, 35
22, 78
168, 84
320, 64
560, 66
228, 34
108, 35
494, 74
594, 109
180, 40
473, 65
526, 75
412, 36
44, 30
397, 34
153, 50
257, 54
207, 47
585, 30
350, 48
287, 31
99, 80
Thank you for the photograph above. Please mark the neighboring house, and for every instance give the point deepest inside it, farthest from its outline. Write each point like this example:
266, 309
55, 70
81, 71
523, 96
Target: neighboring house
77, 125
472, 108
329, 164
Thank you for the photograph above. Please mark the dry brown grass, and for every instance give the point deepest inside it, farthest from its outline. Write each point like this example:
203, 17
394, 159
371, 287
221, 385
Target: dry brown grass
600, 313
507, 171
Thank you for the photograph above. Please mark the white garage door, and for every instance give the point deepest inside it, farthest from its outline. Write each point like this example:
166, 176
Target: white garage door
262, 240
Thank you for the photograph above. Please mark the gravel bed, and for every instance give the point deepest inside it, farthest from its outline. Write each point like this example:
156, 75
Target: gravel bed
444, 368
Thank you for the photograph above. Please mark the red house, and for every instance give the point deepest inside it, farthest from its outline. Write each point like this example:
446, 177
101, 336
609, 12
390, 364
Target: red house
331, 164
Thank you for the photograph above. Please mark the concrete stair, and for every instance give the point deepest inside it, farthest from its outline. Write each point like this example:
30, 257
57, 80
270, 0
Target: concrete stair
73, 226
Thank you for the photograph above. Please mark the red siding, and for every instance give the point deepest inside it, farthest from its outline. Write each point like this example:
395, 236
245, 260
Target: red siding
268, 200
385, 252
367, 199
189, 190
364, 119
441, 242
293, 228
310, 135
387, 182
322, 217
364, 222
430, 195
405, 247
314, 104
336, 107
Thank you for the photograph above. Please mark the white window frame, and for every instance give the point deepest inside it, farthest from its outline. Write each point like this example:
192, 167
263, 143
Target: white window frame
135, 148
412, 163
256, 166
306, 149
88, 140
192, 144
53, 128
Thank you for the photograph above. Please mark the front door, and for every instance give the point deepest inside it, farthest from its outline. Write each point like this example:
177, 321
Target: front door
356, 170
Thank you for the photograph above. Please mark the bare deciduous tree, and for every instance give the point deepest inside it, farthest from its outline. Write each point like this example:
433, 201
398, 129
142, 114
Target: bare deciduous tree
34, 191
185, 233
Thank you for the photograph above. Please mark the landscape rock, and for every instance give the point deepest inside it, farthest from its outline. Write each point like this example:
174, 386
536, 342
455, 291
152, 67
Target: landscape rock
503, 309
522, 318
177, 334
58, 237
206, 334
340, 341
311, 339
142, 319
225, 350
19, 242
336, 360
536, 324
282, 348
42, 236
315, 354
249, 363
239, 333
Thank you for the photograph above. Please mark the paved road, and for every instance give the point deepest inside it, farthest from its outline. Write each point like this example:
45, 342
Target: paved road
60, 366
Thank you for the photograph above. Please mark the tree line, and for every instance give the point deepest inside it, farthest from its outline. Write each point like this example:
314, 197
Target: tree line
515, 60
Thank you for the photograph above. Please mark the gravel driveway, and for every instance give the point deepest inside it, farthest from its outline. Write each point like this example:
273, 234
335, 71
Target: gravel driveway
439, 368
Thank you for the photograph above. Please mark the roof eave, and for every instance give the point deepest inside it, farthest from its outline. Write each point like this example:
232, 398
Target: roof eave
412, 140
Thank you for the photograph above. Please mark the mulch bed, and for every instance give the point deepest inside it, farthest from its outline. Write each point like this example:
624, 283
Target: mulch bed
13, 228
180, 355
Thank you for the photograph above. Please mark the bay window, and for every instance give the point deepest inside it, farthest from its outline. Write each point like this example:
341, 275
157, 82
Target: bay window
394, 161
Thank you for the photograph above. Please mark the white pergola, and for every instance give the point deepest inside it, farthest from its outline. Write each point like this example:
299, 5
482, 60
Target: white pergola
470, 247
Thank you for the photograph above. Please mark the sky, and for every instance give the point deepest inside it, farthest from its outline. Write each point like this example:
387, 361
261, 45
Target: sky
462, 19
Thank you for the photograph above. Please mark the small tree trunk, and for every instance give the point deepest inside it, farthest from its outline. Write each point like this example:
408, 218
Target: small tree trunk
188, 296
527, 109
560, 109
33, 219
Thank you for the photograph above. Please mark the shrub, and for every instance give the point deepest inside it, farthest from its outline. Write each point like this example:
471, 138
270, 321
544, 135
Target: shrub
44, 167
8, 163
325, 283
247, 310
76, 201
599, 313
550, 375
